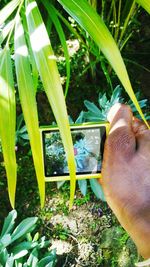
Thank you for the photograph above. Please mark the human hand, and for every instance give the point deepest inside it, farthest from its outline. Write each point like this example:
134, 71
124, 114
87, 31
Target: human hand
126, 175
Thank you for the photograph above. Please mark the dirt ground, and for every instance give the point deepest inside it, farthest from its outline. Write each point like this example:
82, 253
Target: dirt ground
88, 236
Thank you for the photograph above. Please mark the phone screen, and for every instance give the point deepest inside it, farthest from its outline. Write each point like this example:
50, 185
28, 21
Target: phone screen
88, 144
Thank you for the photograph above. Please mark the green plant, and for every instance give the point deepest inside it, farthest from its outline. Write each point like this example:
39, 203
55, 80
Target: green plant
121, 19
19, 248
60, 232
95, 113
34, 56
22, 137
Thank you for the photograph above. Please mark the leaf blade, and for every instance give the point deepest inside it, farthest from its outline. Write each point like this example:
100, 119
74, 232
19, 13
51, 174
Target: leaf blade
8, 117
5, 31
23, 228
28, 102
53, 14
46, 64
145, 4
7, 10
97, 189
9, 223
83, 186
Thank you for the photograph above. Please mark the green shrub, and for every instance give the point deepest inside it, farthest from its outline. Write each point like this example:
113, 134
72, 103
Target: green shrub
18, 247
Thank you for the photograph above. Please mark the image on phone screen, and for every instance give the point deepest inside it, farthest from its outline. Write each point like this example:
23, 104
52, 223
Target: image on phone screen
88, 151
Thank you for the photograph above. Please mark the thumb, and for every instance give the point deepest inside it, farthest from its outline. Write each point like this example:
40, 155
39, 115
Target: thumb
121, 139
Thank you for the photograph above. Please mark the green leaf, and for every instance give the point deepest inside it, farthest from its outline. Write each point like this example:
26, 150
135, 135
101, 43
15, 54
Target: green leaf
92, 107
7, 121
3, 256
23, 248
33, 258
53, 15
7, 10
10, 262
23, 130
9, 223
83, 186
60, 184
28, 103
89, 116
145, 4
102, 100
36, 236
19, 262
19, 121
97, 189
116, 94
80, 118
87, 17
5, 31
25, 136
24, 227
48, 261
5, 240
46, 64
35, 74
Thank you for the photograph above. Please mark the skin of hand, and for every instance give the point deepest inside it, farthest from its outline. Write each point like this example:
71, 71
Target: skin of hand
126, 174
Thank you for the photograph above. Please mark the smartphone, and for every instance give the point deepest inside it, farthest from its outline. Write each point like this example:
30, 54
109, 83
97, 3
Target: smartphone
88, 143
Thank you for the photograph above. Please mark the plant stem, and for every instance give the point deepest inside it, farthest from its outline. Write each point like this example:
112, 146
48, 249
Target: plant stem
118, 21
125, 41
124, 27
114, 18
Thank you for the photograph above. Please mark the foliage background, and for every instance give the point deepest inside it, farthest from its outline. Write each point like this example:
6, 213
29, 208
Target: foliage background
86, 82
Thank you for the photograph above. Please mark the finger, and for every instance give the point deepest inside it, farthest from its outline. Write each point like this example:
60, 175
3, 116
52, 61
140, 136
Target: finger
143, 143
138, 126
142, 134
121, 138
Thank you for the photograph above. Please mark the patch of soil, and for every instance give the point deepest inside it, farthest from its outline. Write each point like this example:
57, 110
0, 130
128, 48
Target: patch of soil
87, 237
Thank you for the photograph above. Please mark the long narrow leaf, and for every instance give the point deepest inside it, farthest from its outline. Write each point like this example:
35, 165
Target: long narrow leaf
87, 17
46, 64
9, 223
145, 4
7, 121
33, 258
35, 73
23, 228
5, 31
10, 262
52, 12
28, 102
7, 10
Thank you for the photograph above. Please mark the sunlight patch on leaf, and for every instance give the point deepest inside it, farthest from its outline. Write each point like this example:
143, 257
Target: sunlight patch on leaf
41, 41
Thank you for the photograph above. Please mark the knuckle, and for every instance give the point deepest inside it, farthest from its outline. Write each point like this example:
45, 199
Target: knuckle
119, 140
